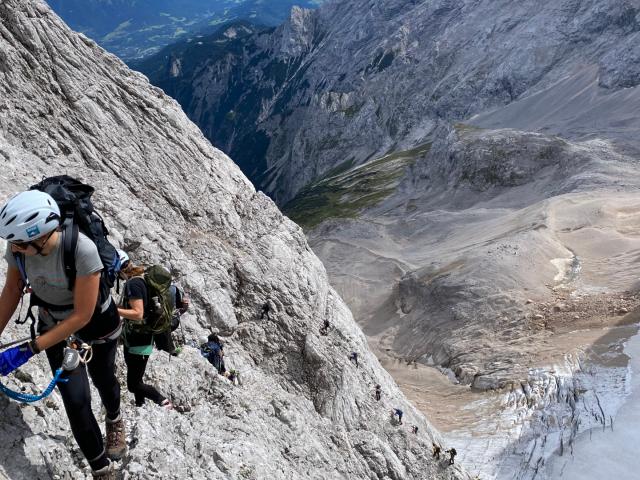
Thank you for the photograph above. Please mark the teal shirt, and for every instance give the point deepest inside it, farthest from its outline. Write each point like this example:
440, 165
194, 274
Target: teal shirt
144, 350
142, 343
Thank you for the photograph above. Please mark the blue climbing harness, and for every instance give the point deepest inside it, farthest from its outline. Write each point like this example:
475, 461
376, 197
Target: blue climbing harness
29, 398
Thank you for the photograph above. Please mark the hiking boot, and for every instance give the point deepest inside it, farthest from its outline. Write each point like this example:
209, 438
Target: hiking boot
166, 404
116, 439
105, 473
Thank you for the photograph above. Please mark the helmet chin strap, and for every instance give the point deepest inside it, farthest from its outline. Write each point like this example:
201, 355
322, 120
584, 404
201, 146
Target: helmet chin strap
40, 248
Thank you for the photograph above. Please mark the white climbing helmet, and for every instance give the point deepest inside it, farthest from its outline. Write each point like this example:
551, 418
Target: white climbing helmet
203, 339
28, 215
124, 258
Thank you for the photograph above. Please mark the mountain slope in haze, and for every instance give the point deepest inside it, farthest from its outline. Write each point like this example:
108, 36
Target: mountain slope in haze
302, 410
353, 81
226, 110
134, 29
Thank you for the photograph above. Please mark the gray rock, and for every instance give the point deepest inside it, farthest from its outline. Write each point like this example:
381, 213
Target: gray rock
301, 410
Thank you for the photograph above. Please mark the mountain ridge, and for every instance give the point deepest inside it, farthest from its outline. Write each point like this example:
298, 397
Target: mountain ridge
368, 84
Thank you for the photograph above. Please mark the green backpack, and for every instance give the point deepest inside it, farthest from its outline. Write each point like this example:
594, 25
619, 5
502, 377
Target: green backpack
158, 280
159, 305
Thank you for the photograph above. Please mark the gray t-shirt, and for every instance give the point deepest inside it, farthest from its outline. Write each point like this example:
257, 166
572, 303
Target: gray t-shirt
46, 273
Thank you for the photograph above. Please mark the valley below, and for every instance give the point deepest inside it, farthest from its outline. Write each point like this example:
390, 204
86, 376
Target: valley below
538, 363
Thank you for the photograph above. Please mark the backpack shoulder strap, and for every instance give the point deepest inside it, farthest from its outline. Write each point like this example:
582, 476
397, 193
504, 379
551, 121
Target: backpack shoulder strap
174, 295
179, 295
70, 242
19, 257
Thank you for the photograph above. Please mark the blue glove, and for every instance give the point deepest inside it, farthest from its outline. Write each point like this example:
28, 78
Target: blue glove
13, 358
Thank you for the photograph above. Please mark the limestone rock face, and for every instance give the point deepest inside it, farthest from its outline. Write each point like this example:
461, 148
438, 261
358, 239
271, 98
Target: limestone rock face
298, 33
301, 410
620, 68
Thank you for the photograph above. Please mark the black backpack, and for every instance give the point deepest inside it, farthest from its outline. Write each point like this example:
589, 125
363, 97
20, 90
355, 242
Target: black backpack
77, 215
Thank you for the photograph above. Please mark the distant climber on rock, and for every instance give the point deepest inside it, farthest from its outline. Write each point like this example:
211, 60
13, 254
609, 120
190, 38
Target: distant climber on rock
213, 350
397, 413
378, 392
137, 308
78, 305
414, 429
354, 358
265, 311
324, 330
436, 450
452, 453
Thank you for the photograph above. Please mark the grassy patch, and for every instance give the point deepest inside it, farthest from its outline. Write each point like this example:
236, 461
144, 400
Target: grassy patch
462, 128
345, 191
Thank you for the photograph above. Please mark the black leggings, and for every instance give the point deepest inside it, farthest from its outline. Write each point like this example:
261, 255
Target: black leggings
136, 366
76, 395
164, 341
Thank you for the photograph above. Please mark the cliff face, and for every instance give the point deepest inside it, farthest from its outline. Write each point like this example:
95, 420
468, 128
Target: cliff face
302, 409
355, 80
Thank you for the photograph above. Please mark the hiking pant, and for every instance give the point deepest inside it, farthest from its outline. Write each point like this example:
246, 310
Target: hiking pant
76, 395
218, 363
136, 366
